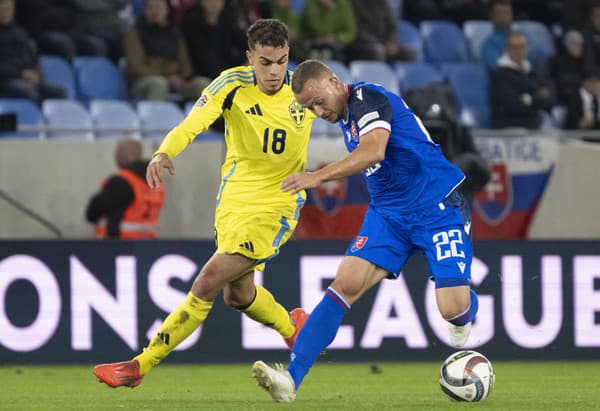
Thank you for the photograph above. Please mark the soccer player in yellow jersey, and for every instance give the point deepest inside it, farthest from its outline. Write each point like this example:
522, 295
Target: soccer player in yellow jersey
266, 134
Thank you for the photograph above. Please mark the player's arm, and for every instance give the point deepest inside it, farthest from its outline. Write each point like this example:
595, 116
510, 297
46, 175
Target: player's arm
370, 151
206, 110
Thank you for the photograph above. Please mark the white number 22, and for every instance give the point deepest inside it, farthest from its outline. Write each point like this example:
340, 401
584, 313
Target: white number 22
447, 244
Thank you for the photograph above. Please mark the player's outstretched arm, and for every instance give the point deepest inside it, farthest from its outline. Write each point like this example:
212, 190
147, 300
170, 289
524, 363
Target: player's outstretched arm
370, 151
154, 171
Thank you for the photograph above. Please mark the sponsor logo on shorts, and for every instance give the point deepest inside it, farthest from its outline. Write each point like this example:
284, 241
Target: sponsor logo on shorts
359, 243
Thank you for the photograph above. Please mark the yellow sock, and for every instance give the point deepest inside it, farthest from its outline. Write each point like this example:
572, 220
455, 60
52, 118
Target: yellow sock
183, 321
269, 312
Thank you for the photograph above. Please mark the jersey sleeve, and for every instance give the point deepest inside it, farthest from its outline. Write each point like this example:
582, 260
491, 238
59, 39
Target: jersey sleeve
206, 110
371, 109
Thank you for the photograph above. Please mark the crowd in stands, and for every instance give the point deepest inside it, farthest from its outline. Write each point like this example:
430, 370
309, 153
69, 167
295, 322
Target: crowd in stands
532, 64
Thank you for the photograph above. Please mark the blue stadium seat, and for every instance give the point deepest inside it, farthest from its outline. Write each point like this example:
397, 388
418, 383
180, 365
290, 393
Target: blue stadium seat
340, 70
297, 6
113, 119
58, 72
410, 36
68, 115
98, 78
322, 128
416, 74
28, 114
160, 116
475, 117
476, 31
374, 72
443, 41
396, 7
470, 83
541, 42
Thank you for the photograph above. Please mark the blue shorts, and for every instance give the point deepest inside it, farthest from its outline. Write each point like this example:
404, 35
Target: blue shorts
442, 233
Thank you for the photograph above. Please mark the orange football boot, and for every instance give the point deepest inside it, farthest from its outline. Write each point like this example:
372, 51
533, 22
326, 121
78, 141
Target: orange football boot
119, 374
299, 317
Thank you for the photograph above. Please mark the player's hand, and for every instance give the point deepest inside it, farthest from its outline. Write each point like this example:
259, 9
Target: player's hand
300, 181
154, 172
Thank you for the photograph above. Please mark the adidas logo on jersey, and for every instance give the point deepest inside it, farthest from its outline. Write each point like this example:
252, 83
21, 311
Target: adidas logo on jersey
247, 245
255, 110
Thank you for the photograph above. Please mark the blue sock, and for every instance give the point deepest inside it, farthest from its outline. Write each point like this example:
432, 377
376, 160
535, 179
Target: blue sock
318, 332
469, 313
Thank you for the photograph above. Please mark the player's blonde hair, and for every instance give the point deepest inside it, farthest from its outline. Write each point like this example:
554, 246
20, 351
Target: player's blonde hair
308, 69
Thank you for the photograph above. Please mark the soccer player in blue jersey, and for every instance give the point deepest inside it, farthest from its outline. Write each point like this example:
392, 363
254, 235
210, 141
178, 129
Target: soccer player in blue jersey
415, 205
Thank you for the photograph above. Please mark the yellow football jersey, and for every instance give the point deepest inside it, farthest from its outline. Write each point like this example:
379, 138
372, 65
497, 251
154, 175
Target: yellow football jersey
266, 137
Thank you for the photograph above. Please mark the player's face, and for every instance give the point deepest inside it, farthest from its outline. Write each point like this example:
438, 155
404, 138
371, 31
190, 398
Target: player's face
326, 97
270, 66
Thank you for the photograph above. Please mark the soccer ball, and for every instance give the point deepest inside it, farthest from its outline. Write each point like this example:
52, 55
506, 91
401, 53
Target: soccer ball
467, 376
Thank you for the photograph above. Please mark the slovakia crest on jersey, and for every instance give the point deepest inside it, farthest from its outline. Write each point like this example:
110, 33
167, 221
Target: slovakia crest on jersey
495, 201
353, 131
359, 243
330, 196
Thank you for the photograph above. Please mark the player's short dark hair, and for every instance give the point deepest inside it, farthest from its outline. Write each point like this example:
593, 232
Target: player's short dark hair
307, 70
267, 32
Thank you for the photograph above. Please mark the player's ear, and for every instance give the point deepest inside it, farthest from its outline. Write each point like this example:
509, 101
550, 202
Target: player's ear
249, 57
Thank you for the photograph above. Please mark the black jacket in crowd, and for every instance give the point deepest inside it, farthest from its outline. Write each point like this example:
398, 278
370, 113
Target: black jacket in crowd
507, 86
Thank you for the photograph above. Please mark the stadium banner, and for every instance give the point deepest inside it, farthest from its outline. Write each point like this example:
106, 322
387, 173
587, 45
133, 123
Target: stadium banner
521, 168
89, 301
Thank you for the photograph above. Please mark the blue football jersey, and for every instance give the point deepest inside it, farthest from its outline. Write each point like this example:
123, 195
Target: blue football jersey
414, 174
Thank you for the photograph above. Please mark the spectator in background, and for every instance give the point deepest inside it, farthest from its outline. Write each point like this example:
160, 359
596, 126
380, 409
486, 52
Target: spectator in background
248, 11
214, 41
157, 57
376, 33
179, 8
501, 15
51, 22
583, 110
126, 207
591, 34
100, 19
569, 66
20, 74
282, 11
516, 92
329, 26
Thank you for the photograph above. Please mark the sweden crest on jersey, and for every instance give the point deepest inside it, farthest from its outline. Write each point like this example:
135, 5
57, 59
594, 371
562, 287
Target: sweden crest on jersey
297, 112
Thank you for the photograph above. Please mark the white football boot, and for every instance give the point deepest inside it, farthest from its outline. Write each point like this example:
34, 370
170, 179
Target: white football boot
277, 381
459, 334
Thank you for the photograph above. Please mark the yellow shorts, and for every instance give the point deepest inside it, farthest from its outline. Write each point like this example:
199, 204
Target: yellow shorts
255, 235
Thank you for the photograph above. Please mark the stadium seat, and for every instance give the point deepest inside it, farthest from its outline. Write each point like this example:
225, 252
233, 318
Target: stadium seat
67, 115
374, 72
58, 72
470, 83
416, 74
443, 41
28, 114
541, 42
471, 86
113, 119
98, 78
475, 117
411, 37
157, 118
476, 31
340, 70
297, 6
396, 7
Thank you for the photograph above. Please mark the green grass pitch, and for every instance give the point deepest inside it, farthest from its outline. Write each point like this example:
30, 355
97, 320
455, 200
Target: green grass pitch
393, 386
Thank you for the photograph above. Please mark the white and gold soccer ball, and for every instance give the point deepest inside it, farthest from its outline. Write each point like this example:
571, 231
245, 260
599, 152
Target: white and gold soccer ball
467, 376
